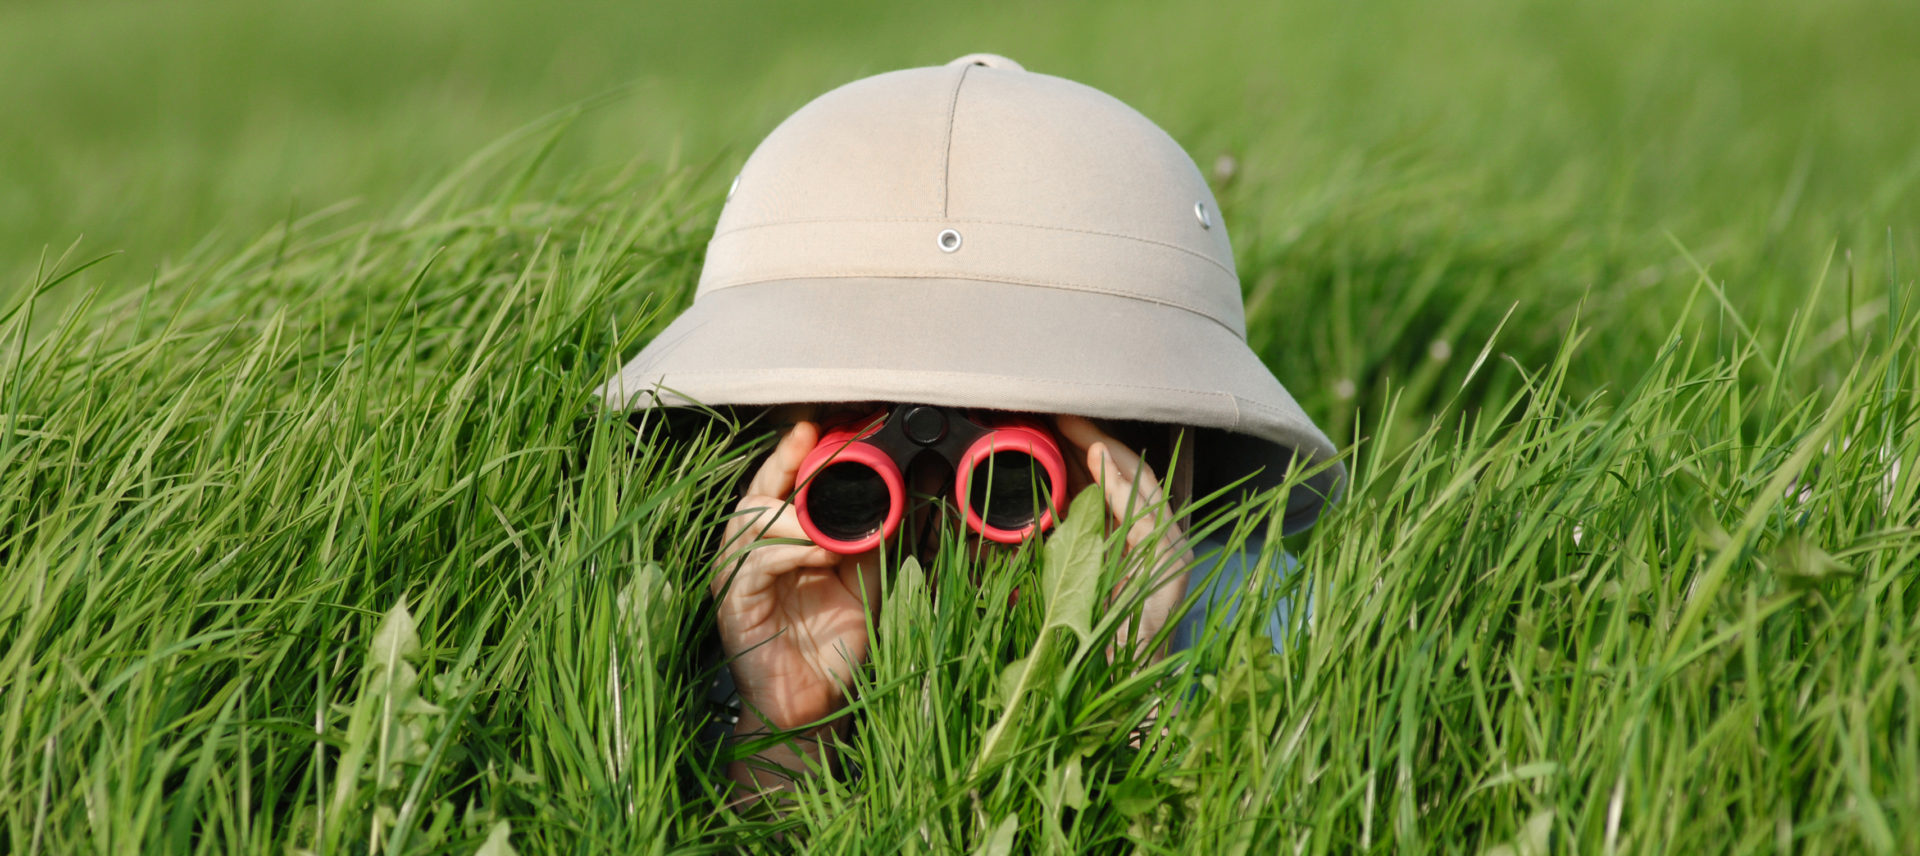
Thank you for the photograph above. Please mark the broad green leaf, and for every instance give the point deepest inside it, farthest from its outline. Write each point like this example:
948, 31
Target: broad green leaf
1707, 527
1069, 789
1070, 582
396, 638
911, 579
906, 602
643, 602
1071, 575
1531, 840
1011, 680
1135, 797
497, 843
1522, 773
1000, 843
1801, 560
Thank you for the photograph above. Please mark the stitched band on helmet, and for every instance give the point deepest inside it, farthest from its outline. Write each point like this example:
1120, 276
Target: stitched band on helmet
995, 252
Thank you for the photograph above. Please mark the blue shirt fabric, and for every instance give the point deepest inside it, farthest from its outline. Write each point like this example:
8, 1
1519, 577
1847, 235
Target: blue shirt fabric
1222, 577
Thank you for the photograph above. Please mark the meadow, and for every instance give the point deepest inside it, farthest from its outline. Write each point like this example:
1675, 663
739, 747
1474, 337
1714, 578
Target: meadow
314, 540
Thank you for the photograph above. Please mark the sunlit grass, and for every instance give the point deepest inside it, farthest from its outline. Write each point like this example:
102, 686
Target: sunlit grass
326, 546
317, 541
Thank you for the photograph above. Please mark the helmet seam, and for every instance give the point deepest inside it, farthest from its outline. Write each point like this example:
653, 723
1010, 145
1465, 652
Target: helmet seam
1008, 280
946, 157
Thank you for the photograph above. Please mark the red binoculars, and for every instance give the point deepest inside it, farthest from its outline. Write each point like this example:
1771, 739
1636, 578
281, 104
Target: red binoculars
1009, 475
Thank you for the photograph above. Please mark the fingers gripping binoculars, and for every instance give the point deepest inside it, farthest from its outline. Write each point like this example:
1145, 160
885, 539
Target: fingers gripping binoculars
1009, 476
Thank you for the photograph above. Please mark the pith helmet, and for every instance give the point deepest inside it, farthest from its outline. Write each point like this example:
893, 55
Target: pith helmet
978, 235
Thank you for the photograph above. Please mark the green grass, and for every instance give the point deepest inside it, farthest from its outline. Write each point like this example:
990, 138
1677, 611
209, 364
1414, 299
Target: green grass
311, 538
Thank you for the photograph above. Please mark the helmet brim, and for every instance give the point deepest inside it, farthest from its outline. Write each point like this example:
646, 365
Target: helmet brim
973, 343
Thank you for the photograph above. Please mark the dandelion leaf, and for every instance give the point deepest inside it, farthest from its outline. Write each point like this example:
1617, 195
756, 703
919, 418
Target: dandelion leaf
1067, 783
1801, 561
497, 843
1707, 528
906, 603
1070, 576
397, 638
1531, 840
1000, 843
1009, 684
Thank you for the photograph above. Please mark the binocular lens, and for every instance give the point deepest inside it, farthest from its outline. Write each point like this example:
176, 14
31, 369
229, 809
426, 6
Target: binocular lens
1007, 490
848, 501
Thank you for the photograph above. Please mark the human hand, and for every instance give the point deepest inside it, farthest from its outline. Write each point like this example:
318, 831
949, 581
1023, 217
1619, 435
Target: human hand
792, 616
1135, 500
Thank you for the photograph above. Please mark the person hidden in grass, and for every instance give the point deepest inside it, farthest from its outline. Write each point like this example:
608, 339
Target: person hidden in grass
964, 251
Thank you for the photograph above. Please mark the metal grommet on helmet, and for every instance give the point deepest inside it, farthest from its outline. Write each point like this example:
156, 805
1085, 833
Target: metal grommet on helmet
1200, 211
949, 240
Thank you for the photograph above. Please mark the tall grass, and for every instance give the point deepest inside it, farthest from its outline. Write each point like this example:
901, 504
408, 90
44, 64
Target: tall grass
316, 541
324, 547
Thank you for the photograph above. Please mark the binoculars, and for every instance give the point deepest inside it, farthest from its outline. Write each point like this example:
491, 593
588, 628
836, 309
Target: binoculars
1009, 475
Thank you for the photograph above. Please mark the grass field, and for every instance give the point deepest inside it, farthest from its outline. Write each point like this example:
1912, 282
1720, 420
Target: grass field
311, 539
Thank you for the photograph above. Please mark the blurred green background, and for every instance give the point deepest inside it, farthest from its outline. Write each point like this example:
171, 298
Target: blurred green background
1400, 173
146, 127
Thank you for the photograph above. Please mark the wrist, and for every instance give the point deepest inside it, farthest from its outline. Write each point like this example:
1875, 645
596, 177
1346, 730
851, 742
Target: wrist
779, 706
794, 753
812, 736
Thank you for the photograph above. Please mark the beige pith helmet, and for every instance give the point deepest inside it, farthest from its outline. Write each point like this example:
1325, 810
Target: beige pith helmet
978, 235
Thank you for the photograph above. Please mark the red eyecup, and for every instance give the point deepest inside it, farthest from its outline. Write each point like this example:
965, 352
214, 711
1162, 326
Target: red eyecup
843, 445
1015, 434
